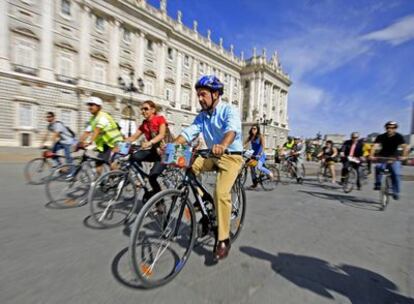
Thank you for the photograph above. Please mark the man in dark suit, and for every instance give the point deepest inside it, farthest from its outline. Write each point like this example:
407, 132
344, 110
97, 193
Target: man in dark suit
351, 152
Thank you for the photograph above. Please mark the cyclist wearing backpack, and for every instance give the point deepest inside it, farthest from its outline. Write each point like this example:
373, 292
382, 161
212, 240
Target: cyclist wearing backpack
62, 137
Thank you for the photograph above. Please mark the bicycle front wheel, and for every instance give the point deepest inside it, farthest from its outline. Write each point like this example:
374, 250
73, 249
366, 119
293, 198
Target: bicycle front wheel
238, 210
350, 181
68, 186
385, 193
37, 170
162, 238
268, 183
112, 199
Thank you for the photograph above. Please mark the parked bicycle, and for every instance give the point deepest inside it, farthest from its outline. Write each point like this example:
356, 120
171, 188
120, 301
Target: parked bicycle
39, 169
162, 240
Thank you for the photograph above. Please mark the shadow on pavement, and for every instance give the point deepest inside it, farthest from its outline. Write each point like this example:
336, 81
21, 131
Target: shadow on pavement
121, 270
352, 201
359, 285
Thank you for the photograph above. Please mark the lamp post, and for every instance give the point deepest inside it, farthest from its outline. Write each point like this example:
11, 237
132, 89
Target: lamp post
263, 121
128, 86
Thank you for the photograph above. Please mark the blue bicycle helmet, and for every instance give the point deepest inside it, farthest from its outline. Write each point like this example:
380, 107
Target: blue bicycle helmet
210, 82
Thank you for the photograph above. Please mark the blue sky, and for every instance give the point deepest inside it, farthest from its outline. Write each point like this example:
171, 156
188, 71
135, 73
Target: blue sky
351, 62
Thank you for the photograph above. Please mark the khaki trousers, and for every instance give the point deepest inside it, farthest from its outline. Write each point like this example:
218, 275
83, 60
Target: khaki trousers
228, 167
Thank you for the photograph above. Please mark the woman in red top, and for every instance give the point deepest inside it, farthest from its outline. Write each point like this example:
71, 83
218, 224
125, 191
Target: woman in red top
154, 128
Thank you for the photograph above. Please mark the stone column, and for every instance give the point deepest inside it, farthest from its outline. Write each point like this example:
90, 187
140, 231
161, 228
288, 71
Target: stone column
194, 92
84, 43
161, 68
114, 42
4, 35
230, 88
178, 79
252, 99
46, 49
140, 55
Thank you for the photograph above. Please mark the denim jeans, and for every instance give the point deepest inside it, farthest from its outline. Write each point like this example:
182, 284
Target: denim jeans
395, 170
67, 150
260, 166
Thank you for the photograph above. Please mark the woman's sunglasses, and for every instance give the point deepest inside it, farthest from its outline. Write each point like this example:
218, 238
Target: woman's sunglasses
145, 109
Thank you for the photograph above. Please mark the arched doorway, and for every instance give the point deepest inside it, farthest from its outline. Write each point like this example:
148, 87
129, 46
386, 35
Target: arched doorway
128, 123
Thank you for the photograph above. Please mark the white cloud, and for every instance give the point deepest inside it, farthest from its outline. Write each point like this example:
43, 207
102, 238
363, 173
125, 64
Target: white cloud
409, 97
305, 95
395, 34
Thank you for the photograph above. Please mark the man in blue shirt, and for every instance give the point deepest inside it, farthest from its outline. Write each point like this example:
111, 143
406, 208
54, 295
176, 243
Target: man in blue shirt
221, 127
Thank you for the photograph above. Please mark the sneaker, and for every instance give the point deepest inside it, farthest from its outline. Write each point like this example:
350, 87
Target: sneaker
69, 177
271, 176
396, 196
377, 188
299, 180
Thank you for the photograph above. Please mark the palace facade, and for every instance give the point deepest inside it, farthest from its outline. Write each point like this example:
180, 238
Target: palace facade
54, 54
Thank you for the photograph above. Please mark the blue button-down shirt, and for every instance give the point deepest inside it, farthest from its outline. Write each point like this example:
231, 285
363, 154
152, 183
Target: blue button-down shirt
224, 118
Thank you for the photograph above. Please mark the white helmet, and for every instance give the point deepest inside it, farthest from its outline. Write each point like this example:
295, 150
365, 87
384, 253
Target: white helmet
94, 100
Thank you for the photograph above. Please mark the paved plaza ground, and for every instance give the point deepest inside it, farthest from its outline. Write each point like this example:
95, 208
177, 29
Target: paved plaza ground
300, 244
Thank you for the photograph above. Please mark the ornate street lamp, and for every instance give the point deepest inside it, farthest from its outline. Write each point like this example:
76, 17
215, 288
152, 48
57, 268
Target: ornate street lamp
127, 85
264, 122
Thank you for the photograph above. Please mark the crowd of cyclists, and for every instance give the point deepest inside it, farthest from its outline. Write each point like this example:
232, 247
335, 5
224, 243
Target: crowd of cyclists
218, 126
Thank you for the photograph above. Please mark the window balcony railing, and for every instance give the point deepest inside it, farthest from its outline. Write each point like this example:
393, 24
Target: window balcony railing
25, 69
172, 103
66, 79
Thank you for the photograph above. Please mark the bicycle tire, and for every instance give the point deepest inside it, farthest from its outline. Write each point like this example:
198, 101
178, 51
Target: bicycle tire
238, 212
350, 181
64, 192
145, 269
37, 170
266, 183
321, 175
243, 177
112, 199
385, 193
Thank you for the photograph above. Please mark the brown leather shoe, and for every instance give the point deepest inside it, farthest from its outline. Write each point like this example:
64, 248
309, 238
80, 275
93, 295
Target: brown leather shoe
222, 250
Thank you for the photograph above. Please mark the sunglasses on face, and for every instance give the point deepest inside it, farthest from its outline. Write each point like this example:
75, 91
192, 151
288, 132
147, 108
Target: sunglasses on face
145, 109
49, 116
392, 128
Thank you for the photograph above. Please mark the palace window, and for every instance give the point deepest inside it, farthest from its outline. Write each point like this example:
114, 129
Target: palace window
170, 52
99, 72
25, 53
126, 36
66, 64
150, 46
65, 7
100, 23
187, 61
25, 115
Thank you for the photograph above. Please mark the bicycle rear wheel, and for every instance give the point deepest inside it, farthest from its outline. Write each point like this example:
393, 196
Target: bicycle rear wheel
350, 181
266, 182
385, 193
113, 199
162, 238
238, 211
68, 186
38, 170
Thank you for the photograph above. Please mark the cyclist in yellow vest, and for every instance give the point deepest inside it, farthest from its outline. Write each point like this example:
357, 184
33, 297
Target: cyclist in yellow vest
102, 129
